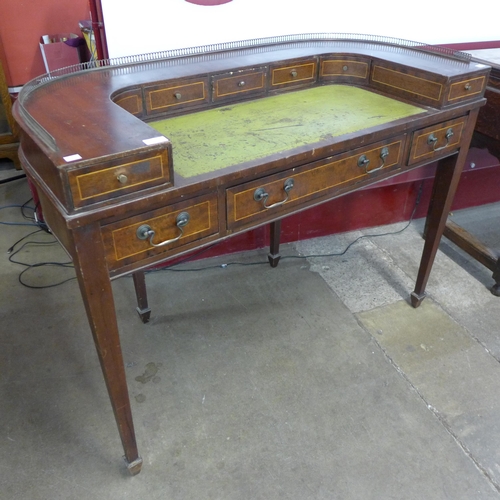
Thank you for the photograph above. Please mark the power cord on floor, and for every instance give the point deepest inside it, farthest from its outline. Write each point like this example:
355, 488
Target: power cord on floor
33, 219
14, 249
22, 207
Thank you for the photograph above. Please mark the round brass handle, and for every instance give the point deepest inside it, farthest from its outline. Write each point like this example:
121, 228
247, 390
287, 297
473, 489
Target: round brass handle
178, 96
432, 140
122, 178
144, 231
293, 73
467, 86
241, 84
261, 195
345, 68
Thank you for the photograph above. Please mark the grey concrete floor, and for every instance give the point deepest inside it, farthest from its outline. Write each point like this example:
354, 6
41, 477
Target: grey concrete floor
314, 380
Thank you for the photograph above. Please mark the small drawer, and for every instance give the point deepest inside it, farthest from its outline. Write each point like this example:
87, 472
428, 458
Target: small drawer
465, 89
280, 194
291, 73
239, 83
437, 140
344, 69
160, 231
131, 101
116, 178
172, 95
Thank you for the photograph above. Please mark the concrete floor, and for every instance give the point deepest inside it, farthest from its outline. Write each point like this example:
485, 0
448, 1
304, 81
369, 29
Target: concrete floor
315, 380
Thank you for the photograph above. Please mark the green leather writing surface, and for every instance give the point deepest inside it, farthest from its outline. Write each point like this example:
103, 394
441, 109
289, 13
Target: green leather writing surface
209, 140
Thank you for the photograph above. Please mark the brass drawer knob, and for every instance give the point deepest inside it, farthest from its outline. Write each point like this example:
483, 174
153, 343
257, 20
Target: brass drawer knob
345, 67
178, 96
467, 86
293, 73
122, 179
241, 84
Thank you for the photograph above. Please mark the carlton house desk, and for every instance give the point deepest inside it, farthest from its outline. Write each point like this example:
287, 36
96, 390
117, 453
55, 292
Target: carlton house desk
141, 159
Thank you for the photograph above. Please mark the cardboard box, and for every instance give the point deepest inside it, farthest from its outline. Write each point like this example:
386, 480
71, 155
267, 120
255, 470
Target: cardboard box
60, 50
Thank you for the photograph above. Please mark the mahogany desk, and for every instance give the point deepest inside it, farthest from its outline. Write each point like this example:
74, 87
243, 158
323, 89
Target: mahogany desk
121, 196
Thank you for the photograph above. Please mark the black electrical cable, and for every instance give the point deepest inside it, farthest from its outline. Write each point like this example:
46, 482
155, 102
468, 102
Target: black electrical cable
12, 251
32, 266
22, 207
33, 219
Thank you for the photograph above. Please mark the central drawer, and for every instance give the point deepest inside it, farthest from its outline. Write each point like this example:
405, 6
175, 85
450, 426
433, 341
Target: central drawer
235, 84
276, 195
344, 69
293, 73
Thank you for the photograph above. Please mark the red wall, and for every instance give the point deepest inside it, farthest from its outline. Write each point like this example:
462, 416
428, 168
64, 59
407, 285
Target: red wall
22, 22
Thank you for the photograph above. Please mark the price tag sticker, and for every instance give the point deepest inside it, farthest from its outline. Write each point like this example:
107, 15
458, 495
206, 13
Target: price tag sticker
71, 158
154, 140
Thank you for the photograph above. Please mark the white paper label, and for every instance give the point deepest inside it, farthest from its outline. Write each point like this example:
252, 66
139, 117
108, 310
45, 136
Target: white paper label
154, 140
72, 158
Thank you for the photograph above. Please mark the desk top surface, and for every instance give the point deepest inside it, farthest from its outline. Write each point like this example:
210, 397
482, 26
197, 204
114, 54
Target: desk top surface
210, 140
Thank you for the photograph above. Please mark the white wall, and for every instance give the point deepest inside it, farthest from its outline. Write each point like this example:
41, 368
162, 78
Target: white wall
142, 26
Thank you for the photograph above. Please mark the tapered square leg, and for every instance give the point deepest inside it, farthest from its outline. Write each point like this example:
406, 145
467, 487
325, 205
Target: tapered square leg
274, 248
448, 173
97, 294
142, 296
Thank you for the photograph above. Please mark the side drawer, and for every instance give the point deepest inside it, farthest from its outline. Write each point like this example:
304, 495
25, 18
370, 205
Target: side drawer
239, 83
437, 140
291, 73
466, 89
161, 231
115, 178
279, 194
175, 95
